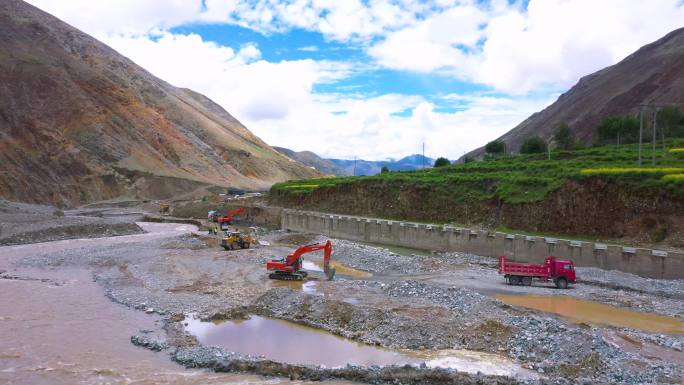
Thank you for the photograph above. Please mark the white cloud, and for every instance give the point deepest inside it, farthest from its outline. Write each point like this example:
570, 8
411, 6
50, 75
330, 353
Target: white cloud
551, 44
547, 46
276, 101
432, 44
249, 52
103, 17
309, 48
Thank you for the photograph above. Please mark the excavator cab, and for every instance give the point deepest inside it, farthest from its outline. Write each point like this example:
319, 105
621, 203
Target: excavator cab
289, 268
227, 220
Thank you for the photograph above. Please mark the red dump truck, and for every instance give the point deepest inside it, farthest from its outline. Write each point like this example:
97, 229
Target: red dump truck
560, 271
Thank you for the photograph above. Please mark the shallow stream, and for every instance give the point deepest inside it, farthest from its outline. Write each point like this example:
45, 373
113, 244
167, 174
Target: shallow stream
288, 342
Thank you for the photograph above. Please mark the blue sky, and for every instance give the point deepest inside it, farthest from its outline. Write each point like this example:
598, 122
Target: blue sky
374, 78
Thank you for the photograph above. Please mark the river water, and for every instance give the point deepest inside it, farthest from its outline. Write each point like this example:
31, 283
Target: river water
284, 341
57, 327
578, 310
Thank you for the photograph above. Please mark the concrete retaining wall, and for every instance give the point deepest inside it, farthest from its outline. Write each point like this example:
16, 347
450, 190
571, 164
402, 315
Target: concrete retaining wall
643, 262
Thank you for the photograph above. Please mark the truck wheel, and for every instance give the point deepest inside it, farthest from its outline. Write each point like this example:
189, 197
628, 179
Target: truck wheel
225, 247
527, 281
562, 283
245, 245
514, 280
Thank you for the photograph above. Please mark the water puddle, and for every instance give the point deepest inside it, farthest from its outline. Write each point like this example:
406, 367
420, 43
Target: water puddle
590, 312
308, 286
284, 341
316, 265
646, 349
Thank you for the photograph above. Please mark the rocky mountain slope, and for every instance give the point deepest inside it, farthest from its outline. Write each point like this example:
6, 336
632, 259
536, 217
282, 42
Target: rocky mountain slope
654, 74
79, 122
310, 159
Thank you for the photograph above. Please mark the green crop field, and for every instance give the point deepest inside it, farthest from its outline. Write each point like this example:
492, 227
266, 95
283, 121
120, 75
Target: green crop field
526, 178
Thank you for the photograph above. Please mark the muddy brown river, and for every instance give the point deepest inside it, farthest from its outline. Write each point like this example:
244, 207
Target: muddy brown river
57, 327
578, 310
284, 341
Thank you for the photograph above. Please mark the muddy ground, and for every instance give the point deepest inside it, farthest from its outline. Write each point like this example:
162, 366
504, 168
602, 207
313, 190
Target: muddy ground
399, 300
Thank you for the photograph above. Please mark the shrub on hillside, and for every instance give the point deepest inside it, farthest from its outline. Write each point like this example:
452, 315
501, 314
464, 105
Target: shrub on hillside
671, 122
495, 147
441, 162
564, 138
533, 145
619, 130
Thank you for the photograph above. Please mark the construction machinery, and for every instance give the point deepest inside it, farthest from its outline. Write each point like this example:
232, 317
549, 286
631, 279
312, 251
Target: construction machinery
235, 239
290, 267
560, 271
224, 221
164, 208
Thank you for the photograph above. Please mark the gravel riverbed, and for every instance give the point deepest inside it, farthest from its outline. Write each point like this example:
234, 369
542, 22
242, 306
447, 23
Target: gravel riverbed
421, 302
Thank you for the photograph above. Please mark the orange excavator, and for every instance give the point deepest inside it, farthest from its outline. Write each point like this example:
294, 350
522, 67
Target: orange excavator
290, 267
226, 220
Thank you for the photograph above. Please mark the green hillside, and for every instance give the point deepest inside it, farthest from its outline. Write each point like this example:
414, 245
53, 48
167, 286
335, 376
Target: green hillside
525, 178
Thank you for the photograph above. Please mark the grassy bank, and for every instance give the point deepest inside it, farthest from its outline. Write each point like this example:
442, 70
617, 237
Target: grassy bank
525, 178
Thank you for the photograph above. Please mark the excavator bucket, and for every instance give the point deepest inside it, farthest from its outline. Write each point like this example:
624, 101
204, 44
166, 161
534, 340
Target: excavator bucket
329, 271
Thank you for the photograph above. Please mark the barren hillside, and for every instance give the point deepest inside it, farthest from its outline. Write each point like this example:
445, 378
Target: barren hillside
79, 122
654, 74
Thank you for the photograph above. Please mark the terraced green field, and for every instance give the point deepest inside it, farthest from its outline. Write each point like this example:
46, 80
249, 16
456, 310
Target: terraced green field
526, 178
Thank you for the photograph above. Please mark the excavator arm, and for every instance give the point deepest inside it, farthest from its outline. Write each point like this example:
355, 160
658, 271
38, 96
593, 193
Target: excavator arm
292, 263
231, 214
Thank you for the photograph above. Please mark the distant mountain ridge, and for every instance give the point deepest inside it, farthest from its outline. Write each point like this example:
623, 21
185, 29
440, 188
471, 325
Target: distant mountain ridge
347, 167
79, 122
371, 167
310, 159
654, 74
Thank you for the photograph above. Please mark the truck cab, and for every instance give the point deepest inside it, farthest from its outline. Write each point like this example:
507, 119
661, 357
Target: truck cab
561, 268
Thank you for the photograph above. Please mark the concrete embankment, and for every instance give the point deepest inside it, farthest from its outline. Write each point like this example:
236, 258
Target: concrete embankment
644, 262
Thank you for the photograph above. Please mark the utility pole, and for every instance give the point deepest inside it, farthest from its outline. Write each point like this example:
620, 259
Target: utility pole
641, 129
654, 107
655, 125
423, 155
354, 165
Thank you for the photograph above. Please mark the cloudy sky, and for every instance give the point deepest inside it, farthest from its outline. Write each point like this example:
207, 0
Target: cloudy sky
374, 78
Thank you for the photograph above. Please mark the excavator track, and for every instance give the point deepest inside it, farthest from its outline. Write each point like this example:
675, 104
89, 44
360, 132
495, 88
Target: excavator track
286, 277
